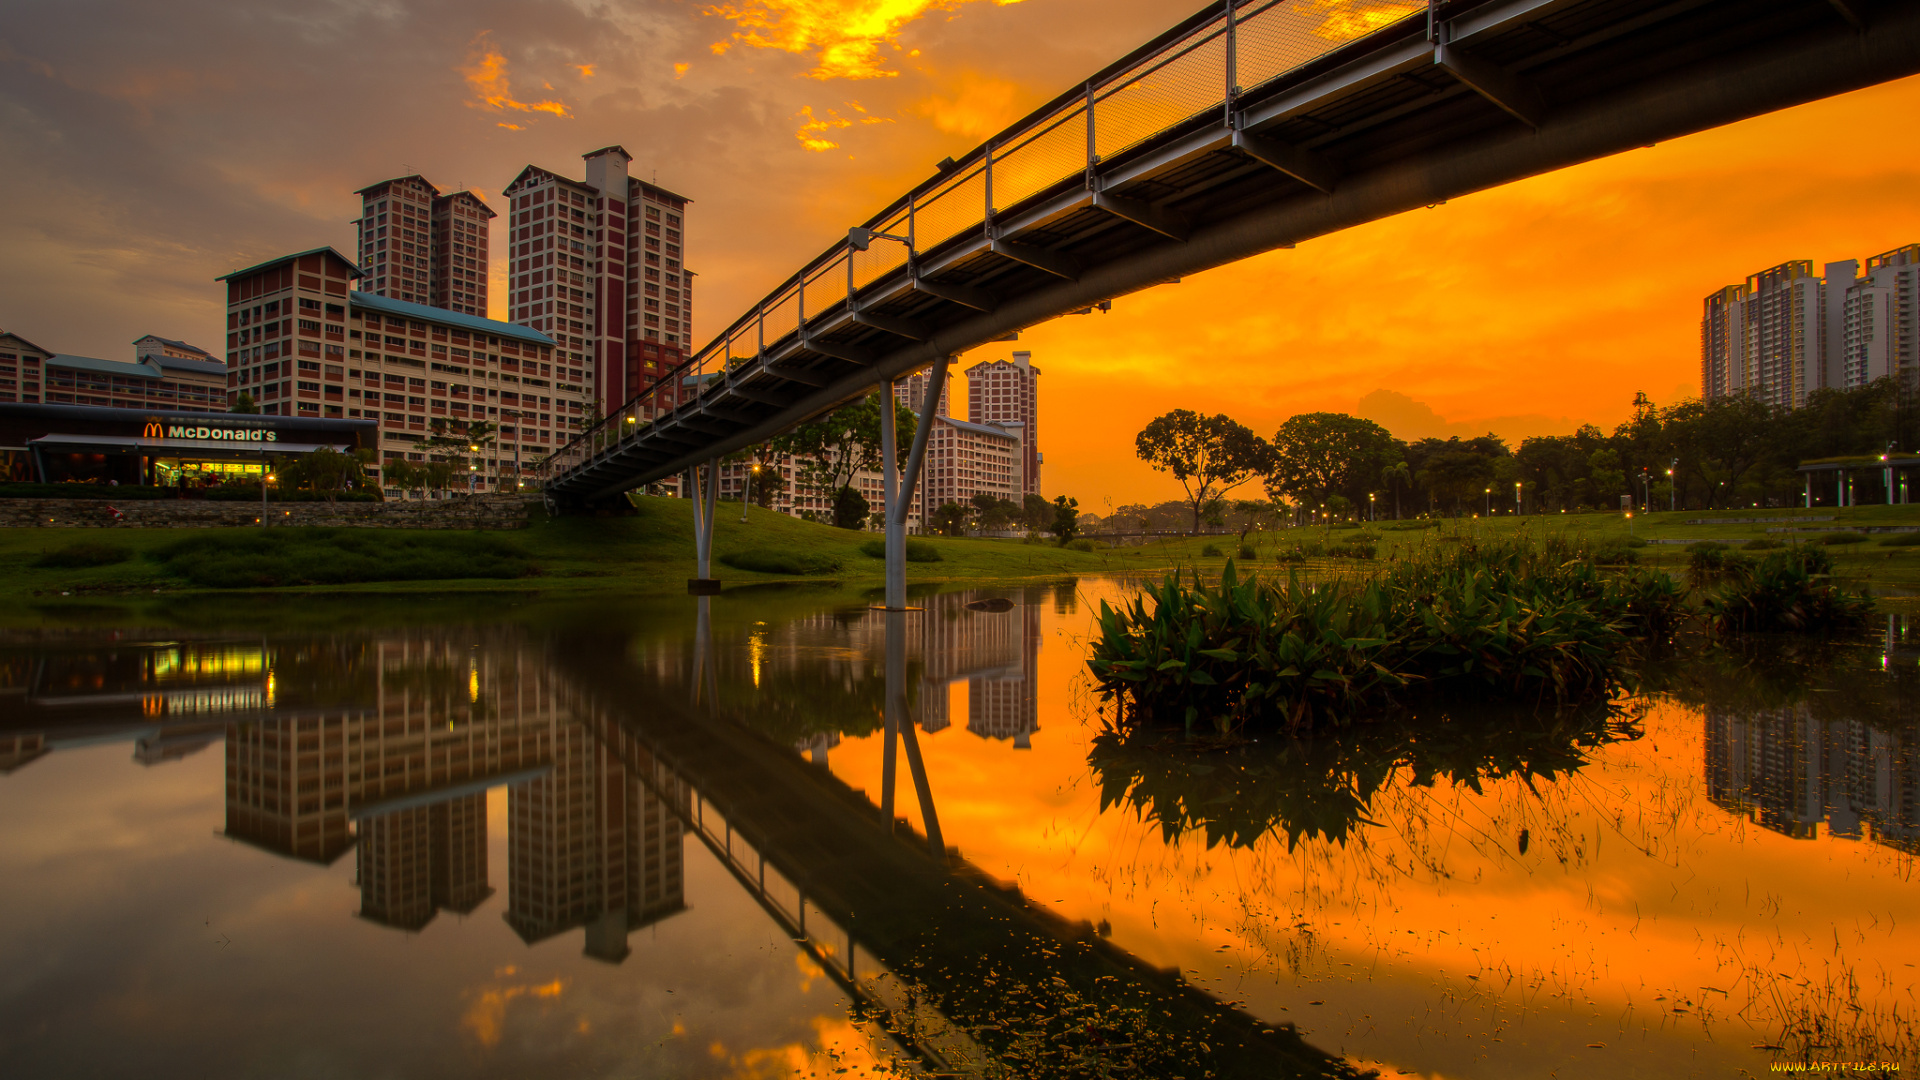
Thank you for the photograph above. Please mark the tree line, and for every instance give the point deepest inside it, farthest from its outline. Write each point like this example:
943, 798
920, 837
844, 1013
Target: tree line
1727, 452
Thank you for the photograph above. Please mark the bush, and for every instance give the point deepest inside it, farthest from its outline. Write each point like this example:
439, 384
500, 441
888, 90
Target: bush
1709, 560
1247, 551
1355, 550
1835, 538
1211, 551
1294, 554
917, 550
1615, 553
1084, 544
1499, 620
1706, 545
1790, 591
1762, 544
1911, 539
83, 554
1414, 524
1347, 525
257, 558
788, 563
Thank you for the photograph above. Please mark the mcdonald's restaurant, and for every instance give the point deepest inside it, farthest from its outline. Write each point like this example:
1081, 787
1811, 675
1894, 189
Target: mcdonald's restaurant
58, 444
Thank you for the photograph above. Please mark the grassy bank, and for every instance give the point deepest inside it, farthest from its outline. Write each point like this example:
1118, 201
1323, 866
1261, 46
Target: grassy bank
648, 553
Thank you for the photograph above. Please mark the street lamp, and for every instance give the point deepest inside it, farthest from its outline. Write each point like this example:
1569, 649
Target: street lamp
1489, 502
1370, 506
1673, 489
748, 497
1516, 498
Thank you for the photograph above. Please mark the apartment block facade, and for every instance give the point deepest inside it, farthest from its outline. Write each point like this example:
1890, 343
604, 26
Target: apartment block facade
301, 342
966, 459
1006, 394
599, 266
419, 245
22, 369
1786, 332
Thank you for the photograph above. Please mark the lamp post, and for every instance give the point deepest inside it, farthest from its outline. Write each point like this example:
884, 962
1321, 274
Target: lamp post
748, 497
473, 468
1516, 498
1489, 502
1673, 487
1371, 516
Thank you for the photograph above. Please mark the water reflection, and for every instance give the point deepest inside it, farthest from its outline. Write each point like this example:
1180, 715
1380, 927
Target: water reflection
1670, 877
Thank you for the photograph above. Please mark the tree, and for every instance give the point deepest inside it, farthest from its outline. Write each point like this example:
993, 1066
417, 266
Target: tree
1397, 476
1209, 455
400, 473
1066, 519
244, 404
850, 508
1319, 455
832, 450
1036, 512
992, 513
950, 520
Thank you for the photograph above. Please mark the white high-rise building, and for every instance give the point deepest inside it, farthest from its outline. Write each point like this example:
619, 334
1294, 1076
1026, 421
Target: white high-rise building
1786, 333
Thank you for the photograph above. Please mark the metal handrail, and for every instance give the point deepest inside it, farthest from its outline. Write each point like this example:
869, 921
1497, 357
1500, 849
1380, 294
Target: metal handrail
1218, 23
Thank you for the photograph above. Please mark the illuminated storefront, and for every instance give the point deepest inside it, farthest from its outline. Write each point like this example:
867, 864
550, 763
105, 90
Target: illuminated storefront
77, 444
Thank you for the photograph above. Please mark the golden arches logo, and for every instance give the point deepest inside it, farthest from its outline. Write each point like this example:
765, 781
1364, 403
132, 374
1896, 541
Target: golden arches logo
154, 431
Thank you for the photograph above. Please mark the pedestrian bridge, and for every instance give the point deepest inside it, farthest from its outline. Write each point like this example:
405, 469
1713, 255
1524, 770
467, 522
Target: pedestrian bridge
1250, 126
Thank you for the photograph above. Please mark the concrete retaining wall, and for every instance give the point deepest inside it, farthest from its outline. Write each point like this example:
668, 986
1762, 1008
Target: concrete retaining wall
479, 512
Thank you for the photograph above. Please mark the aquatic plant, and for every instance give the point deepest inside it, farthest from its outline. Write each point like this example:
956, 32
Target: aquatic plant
1790, 591
1324, 786
1501, 620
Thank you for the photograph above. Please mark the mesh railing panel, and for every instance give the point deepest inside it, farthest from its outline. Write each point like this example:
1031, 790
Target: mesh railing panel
961, 207
1180, 85
882, 256
1042, 159
1276, 37
827, 287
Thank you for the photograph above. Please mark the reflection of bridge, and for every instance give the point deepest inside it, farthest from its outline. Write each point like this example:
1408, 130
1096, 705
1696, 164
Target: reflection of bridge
1250, 126
956, 966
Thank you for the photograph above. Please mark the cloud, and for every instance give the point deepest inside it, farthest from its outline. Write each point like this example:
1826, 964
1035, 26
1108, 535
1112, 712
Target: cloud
1344, 20
486, 72
844, 36
978, 105
1414, 420
812, 134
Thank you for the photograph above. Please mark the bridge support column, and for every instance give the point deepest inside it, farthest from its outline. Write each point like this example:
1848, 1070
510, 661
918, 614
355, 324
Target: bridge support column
900, 724
898, 489
703, 510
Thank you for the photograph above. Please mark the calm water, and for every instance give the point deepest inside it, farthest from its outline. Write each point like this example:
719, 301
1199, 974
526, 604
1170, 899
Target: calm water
264, 840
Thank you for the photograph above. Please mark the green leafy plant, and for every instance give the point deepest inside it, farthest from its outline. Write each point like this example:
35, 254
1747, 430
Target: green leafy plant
917, 550
1789, 591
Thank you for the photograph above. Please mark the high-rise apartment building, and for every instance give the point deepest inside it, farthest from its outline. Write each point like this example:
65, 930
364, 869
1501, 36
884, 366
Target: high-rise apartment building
598, 265
964, 460
1786, 333
424, 247
1876, 336
300, 342
1723, 342
1007, 395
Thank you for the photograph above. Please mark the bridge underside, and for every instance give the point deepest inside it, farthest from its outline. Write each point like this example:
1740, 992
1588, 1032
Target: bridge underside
1391, 122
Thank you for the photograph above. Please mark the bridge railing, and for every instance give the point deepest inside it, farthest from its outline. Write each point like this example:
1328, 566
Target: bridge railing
1202, 65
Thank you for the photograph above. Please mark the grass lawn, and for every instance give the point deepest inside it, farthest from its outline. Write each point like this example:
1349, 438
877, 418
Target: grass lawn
651, 553
645, 554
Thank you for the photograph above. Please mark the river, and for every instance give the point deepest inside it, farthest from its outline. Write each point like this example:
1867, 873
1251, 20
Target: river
779, 833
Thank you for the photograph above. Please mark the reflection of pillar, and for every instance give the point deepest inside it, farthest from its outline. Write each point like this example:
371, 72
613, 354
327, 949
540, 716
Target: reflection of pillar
591, 846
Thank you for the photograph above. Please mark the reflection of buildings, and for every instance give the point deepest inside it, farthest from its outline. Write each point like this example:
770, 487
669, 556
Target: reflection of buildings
1788, 771
592, 846
1007, 706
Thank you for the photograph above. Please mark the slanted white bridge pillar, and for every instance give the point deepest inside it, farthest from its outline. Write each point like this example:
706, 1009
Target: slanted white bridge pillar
704, 494
897, 489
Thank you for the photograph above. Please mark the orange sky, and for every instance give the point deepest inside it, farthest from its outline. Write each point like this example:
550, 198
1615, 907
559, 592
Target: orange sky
155, 151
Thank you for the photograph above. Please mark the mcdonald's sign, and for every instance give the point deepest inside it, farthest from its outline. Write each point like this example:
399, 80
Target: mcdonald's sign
154, 430
157, 430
